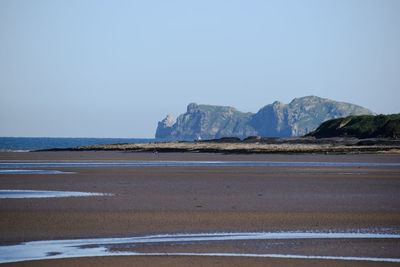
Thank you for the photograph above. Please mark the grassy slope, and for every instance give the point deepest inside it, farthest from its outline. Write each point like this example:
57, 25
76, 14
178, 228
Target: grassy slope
363, 126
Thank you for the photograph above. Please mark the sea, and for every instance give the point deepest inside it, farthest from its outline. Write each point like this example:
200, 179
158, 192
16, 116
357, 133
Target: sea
21, 144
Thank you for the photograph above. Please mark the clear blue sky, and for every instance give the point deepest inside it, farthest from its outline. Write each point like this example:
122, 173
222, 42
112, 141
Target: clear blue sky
115, 68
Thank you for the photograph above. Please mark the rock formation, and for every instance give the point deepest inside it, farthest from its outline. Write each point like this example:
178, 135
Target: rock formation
299, 117
165, 126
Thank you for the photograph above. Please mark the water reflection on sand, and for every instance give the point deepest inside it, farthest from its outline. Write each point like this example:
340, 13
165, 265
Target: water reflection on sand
51, 249
24, 171
156, 163
45, 194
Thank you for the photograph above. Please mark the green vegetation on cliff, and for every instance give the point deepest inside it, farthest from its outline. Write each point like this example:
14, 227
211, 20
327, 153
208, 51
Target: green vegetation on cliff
364, 126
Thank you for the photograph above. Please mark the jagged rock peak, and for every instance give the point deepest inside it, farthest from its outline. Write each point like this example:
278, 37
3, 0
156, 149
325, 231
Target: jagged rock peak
164, 127
168, 121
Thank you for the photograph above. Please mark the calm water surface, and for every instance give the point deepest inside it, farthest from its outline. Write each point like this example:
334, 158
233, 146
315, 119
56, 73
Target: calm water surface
38, 143
45, 194
25, 171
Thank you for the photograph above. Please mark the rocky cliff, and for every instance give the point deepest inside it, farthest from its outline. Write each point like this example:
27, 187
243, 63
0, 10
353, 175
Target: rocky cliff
299, 117
206, 122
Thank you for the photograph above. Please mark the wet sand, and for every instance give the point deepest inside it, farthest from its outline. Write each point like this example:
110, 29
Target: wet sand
120, 155
191, 261
150, 200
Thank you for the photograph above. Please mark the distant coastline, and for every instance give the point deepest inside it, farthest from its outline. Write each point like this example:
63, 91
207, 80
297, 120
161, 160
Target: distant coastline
256, 145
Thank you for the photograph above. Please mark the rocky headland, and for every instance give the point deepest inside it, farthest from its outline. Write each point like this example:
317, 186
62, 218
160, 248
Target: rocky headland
299, 117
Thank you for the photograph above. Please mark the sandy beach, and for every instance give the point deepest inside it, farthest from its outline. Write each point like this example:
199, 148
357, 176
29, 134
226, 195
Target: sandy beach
159, 200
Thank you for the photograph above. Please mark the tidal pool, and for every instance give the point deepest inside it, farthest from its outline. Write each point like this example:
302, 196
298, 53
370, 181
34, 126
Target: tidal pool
24, 171
52, 249
45, 194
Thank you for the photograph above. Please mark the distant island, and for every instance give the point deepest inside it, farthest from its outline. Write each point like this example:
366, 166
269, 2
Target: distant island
344, 135
348, 135
301, 116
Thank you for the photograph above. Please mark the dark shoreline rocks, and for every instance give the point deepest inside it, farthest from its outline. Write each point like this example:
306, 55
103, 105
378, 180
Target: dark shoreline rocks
251, 145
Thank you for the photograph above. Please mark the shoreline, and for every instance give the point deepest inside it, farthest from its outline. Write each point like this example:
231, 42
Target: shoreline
255, 146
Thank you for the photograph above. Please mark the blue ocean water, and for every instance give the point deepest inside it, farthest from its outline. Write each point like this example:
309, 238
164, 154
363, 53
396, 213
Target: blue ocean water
37, 143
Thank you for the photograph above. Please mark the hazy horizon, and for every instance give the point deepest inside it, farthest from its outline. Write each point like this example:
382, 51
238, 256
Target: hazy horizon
115, 68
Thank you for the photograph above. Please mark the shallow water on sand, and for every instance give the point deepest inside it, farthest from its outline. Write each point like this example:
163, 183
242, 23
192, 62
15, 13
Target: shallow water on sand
51, 249
24, 171
44, 194
44, 164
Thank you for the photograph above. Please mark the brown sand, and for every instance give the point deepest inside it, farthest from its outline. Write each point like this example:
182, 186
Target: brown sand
123, 261
118, 155
199, 199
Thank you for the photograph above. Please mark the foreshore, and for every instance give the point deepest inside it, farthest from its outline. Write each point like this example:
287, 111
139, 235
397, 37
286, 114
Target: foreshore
160, 200
257, 146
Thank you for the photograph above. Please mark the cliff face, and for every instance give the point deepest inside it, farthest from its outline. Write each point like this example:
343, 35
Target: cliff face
206, 122
165, 126
299, 117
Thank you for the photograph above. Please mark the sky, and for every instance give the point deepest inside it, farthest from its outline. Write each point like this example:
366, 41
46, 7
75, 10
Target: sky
82, 68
